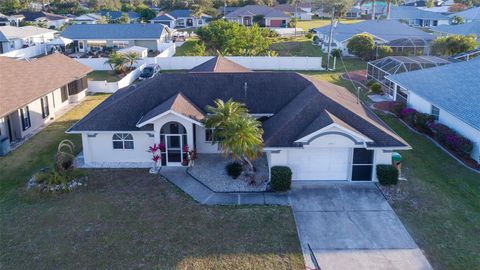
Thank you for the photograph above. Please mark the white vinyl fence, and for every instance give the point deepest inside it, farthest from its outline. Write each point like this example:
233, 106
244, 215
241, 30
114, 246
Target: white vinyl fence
111, 87
189, 62
28, 52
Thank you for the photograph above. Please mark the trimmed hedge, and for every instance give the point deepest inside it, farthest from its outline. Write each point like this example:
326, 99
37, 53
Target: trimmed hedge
281, 178
387, 174
234, 169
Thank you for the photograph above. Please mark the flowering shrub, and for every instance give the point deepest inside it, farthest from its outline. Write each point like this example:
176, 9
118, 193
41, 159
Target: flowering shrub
423, 121
454, 141
397, 108
408, 114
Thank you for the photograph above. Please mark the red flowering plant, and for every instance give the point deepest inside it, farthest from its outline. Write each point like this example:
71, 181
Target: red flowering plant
156, 155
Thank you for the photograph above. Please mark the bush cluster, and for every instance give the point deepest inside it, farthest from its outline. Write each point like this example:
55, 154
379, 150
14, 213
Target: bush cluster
387, 174
281, 178
425, 123
376, 88
234, 169
452, 140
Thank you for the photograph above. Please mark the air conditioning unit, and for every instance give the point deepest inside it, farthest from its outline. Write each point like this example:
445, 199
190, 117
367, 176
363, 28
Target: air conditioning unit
4, 145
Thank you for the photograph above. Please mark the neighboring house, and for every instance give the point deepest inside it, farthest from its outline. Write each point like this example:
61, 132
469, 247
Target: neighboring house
469, 15
316, 128
90, 18
33, 92
14, 38
459, 29
414, 16
303, 14
226, 9
10, 20
165, 19
393, 33
114, 16
53, 21
185, 19
365, 10
98, 36
266, 16
450, 93
379, 69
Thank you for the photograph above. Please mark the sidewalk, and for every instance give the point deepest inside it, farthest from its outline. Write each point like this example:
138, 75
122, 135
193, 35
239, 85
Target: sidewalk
202, 194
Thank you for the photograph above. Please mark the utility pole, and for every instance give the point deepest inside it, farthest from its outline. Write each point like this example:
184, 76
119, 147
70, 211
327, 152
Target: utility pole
330, 37
373, 10
296, 18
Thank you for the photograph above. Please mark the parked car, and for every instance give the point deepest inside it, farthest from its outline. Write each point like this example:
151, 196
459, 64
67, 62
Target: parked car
149, 72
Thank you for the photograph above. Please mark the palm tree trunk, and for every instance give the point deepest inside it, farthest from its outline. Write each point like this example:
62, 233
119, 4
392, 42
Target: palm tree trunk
373, 10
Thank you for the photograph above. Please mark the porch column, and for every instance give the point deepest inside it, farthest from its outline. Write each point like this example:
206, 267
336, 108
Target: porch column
394, 92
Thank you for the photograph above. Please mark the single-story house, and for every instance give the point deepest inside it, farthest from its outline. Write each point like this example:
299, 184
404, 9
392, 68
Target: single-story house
165, 19
316, 128
90, 18
96, 36
10, 20
266, 16
414, 16
53, 21
226, 9
33, 92
365, 10
14, 38
300, 13
459, 29
469, 15
114, 16
450, 93
378, 70
393, 33
185, 19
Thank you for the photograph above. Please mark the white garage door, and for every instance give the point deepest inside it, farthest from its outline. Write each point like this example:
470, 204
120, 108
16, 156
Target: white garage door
320, 164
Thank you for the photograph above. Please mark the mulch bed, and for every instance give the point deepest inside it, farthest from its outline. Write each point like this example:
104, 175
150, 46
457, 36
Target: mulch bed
357, 75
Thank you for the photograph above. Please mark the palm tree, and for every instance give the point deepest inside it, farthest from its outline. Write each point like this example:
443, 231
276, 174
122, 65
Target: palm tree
131, 58
117, 62
238, 134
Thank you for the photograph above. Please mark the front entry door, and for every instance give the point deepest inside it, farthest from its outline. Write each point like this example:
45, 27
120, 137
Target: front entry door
173, 149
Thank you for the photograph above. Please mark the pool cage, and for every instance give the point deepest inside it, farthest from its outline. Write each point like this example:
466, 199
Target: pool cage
410, 46
378, 69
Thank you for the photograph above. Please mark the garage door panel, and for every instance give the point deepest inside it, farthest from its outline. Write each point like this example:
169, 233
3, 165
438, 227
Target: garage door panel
320, 164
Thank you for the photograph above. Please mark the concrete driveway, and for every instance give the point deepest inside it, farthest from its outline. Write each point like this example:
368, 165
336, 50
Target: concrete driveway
352, 226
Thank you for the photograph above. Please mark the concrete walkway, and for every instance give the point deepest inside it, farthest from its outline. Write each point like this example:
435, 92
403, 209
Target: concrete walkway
347, 225
352, 226
202, 194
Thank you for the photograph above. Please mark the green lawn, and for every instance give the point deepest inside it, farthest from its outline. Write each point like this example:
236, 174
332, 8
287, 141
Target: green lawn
18, 166
128, 219
100, 75
185, 48
299, 46
439, 204
315, 23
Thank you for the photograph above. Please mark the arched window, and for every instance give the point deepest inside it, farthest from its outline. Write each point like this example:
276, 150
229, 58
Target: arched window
122, 141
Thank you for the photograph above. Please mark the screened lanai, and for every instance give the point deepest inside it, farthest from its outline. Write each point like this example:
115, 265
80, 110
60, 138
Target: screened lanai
378, 69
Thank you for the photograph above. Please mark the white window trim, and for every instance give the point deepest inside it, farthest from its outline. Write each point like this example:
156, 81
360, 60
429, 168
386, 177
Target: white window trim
123, 139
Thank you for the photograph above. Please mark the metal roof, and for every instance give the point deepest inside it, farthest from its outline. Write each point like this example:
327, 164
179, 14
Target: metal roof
113, 31
413, 13
388, 30
453, 88
460, 29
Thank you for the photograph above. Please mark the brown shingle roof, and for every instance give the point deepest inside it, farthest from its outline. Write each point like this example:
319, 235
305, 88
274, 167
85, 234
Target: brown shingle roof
177, 103
220, 64
24, 81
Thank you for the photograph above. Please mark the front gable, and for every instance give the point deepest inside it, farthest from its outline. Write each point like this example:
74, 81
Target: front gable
334, 135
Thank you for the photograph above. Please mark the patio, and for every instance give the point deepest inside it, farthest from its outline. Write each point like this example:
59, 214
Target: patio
210, 170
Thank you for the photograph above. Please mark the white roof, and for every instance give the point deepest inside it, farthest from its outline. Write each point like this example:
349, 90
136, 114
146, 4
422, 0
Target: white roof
12, 32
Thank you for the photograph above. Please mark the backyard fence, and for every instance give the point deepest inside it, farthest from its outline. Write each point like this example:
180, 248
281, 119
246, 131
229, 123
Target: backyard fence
189, 62
111, 87
28, 52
